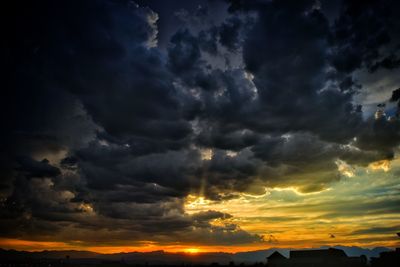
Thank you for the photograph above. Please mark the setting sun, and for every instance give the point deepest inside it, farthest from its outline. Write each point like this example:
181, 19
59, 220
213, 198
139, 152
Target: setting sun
192, 250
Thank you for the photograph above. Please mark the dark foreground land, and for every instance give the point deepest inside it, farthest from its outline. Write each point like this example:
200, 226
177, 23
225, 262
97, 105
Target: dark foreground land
327, 257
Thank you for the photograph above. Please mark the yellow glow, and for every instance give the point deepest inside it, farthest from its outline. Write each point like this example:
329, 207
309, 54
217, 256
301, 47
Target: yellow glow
295, 190
380, 165
86, 208
196, 203
206, 154
344, 168
192, 250
53, 157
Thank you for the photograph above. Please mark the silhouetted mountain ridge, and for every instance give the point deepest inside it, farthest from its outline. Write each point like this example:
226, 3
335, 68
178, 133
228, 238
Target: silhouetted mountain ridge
162, 257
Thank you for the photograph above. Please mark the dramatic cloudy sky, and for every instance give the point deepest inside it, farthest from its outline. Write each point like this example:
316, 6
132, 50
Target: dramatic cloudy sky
201, 125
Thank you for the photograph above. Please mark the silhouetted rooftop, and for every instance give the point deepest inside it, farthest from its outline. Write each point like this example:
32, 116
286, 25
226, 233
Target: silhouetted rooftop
276, 255
318, 253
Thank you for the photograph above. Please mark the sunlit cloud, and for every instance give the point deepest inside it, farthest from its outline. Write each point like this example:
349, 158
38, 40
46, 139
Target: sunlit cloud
309, 219
383, 165
206, 154
86, 207
344, 168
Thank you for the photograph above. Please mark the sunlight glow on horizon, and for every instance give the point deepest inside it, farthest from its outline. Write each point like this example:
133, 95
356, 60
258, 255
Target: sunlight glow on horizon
293, 218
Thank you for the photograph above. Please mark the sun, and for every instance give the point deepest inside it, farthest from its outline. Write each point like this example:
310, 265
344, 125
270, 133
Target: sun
192, 250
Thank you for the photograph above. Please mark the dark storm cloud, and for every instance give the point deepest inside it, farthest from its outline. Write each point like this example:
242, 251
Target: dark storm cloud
295, 97
380, 134
395, 95
131, 175
172, 14
307, 162
210, 215
230, 33
35, 168
85, 52
114, 110
304, 97
396, 98
366, 34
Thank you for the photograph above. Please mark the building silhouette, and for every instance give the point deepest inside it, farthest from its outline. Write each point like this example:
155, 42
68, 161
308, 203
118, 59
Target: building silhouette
387, 259
330, 257
276, 259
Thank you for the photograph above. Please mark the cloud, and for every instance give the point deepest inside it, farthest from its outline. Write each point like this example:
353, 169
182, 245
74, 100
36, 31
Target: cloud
35, 168
230, 33
377, 230
107, 124
355, 47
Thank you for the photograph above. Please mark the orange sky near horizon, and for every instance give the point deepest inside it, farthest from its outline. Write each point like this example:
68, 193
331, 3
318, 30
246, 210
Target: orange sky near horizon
35, 246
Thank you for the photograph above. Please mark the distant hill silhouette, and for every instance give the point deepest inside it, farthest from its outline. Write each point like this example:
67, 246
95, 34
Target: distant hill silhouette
161, 257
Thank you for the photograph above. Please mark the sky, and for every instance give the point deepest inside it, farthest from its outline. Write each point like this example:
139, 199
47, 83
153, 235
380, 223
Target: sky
198, 126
